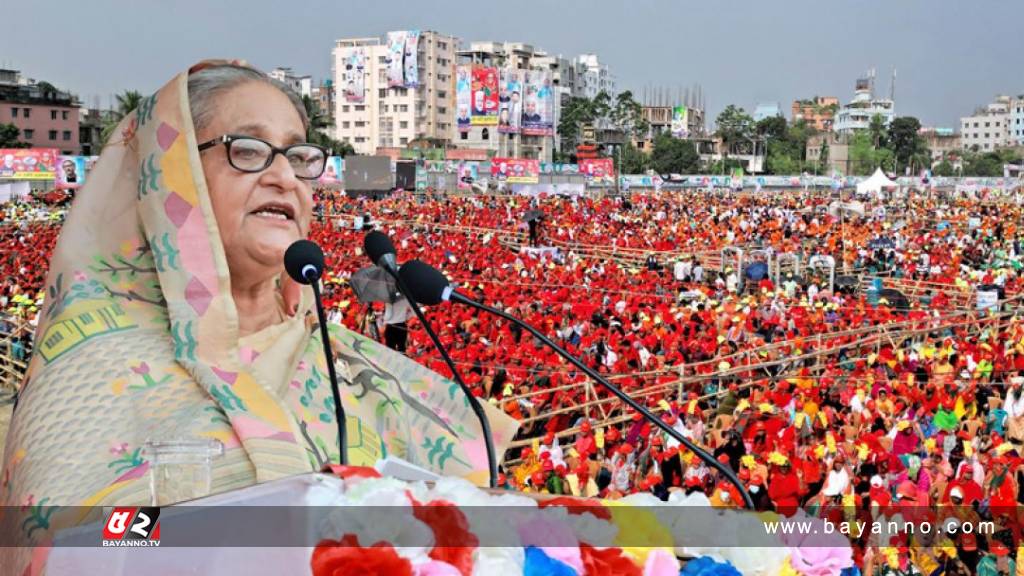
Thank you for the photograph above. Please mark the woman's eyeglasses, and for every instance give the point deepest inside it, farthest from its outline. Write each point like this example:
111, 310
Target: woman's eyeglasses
249, 154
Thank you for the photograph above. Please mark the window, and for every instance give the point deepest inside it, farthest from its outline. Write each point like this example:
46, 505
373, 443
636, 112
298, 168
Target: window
14, 112
344, 108
382, 60
485, 134
640, 146
403, 108
997, 124
442, 110
464, 135
64, 115
382, 93
29, 133
346, 124
403, 124
986, 134
361, 108
66, 135
403, 141
360, 124
53, 114
27, 112
441, 94
360, 139
975, 124
986, 124
53, 134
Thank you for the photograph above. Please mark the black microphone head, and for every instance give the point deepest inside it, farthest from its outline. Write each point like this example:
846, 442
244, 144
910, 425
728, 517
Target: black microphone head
376, 244
426, 283
304, 261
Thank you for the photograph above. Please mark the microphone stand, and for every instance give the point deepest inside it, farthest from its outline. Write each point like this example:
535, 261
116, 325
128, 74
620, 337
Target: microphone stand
485, 425
451, 294
339, 411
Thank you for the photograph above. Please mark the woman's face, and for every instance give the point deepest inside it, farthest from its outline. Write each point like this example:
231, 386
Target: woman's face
255, 242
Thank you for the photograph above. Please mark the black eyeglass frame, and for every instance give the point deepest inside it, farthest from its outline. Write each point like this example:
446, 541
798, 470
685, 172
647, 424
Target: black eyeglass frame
228, 139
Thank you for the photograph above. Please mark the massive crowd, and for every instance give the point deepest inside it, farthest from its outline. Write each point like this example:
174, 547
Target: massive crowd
820, 394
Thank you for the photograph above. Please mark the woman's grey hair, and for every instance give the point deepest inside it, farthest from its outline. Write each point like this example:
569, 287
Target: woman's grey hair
204, 86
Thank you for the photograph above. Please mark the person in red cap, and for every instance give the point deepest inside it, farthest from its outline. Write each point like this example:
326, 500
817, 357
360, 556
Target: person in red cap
784, 488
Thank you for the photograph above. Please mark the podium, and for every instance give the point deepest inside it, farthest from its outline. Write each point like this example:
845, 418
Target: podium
273, 528
80, 550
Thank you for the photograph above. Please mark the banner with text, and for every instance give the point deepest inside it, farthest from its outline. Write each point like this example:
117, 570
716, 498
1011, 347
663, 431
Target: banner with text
599, 171
411, 61
395, 59
680, 122
354, 74
510, 113
538, 111
28, 163
485, 96
515, 170
463, 96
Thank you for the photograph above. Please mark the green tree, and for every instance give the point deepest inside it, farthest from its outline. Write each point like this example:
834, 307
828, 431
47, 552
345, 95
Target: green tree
627, 115
878, 132
578, 112
316, 130
126, 102
907, 145
9, 137
672, 155
862, 154
944, 168
631, 160
733, 126
772, 127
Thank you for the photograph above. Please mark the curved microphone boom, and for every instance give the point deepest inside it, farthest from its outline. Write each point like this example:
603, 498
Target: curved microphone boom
381, 252
429, 286
304, 261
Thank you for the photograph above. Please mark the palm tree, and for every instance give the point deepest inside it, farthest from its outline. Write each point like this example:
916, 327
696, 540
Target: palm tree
877, 129
126, 103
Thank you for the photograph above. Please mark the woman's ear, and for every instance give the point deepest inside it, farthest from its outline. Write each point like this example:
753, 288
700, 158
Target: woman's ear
291, 293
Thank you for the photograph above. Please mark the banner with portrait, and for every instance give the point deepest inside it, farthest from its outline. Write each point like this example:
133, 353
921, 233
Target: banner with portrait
515, 170
411, 62
28, 163
463, 97
680, 122
353, 75
333, 171
485, 96
538, 110
599, 171
71, 171
510, 101
395, 59
468, 174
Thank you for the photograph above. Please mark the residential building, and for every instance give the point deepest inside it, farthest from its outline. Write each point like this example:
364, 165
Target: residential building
659, 120
834, 147
379, 116
323, 95
90, 129
865, 105
942, 142
302, 85
520, 56
46, 116
988, 128
592, 77
767, 110
1017, 119
819, 111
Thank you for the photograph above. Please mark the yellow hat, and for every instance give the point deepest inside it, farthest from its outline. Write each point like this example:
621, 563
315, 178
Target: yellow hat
777, 458
903, 425
765, 407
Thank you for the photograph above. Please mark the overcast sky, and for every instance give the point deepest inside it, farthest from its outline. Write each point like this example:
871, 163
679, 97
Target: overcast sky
950, 55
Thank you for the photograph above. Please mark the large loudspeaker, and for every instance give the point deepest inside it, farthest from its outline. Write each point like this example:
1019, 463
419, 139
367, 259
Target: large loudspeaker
405, 175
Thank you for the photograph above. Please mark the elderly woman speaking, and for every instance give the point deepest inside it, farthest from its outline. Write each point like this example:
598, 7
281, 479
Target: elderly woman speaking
169, 316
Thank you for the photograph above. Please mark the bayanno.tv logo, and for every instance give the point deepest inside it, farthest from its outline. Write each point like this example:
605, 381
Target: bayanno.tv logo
132, 527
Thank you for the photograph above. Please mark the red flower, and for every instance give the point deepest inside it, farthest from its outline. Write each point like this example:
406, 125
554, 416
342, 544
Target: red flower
579, 506
347, 558
453, 542
609, 561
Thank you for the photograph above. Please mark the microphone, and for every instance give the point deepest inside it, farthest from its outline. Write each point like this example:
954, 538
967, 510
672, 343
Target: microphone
304, 261
429, 286
381, 250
